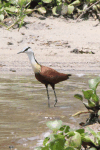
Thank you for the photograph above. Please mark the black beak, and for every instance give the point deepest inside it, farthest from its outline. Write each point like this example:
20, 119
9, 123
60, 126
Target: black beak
20, 52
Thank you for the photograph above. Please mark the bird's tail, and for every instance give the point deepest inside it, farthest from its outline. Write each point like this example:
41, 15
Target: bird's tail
68, 75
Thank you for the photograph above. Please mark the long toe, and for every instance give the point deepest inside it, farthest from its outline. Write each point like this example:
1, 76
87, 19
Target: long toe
55, 103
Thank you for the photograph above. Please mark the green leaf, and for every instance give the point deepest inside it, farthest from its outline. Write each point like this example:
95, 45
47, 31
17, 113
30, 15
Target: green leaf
69, 134
57, 144
57, 10
54, 11
11, 9
45, 141
42, 10
95, 8
92, 1
87, 94
99, 112
93, 83
54, 125
98, 138
70, 9
59, 2
98, 6
22, 3
51, 136
67, 129
78, 96
1, 17
79, 10
75, 140
96, 135
39, 3
60, 9
64, 128
81, 131
86, 139
95, 98
91, 104
76, 3
92, 131
45, 148
47, 1
13, 2
58, 136
38, 148
69, 148
93, 148
85, 6
68, 1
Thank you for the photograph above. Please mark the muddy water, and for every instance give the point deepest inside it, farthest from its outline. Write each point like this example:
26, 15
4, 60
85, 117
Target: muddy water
24, 110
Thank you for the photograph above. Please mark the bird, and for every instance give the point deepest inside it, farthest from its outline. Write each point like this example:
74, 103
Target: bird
44, 74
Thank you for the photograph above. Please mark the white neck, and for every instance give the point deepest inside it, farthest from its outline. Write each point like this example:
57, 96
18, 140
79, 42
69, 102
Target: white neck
31, 58
34, 64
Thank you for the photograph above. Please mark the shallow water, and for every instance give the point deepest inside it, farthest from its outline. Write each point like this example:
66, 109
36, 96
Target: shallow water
24, 108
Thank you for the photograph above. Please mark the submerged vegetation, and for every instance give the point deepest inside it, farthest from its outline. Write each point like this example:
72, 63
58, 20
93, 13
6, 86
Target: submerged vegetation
18, 9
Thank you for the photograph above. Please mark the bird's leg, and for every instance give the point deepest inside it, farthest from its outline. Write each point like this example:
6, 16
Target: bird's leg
53, 86
47, 95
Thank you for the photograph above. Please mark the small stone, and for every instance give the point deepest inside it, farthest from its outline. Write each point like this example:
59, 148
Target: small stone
12, 70
11, 146
9, 43
23, 33
20, 41
2, 65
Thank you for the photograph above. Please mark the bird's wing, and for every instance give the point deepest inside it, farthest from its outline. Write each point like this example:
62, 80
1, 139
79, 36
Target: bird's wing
49, 72
51, 75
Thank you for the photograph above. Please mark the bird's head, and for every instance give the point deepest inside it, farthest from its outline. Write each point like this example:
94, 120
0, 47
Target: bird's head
26, 50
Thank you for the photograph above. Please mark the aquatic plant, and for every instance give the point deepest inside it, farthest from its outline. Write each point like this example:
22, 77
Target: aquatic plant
65, 138
15, 9
76, 8
18, 9
93, 101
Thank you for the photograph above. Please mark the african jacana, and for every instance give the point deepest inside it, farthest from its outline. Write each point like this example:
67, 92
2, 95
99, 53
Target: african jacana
45, 74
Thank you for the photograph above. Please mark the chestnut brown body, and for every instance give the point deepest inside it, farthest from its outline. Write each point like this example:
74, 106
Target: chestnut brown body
50, 76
